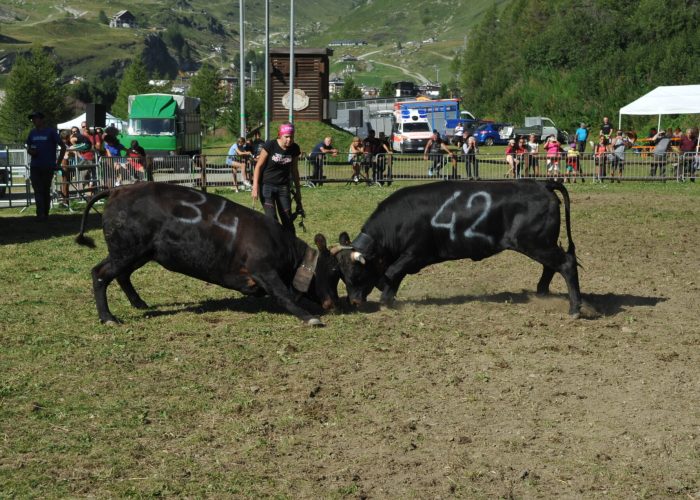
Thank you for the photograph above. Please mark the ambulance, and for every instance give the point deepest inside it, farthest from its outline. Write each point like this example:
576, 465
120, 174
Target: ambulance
410, 131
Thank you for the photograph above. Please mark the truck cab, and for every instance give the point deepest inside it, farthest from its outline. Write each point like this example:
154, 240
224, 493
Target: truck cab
410, 131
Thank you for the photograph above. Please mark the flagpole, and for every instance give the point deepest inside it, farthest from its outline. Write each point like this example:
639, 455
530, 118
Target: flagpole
241, 66
291, 63
267, 70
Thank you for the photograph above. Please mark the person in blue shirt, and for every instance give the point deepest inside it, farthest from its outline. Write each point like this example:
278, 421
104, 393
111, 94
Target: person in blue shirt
42, 143
581, 138
318, 155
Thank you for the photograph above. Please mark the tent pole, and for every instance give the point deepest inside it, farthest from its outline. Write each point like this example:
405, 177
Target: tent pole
658, 127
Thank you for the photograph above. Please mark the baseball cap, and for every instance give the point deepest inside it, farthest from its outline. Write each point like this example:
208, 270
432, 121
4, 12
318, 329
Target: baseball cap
36, 114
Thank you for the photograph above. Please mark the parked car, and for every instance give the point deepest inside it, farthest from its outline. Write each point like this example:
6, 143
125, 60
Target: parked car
491, 134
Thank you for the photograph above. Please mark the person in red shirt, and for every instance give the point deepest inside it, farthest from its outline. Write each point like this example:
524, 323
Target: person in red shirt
689, 153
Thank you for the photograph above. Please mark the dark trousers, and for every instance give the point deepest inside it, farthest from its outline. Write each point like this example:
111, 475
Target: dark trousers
317, 176
581, 146
276, 200
659, 163
41, 179
470, 162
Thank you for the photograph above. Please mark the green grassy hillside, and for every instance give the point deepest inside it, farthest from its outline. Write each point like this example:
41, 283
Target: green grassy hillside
87, 48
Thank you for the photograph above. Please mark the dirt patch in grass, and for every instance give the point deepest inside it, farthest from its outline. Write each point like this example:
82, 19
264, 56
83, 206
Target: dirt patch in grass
472, 387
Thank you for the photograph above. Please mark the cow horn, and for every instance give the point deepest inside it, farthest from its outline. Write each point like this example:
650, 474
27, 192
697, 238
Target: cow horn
335, 249
358, 257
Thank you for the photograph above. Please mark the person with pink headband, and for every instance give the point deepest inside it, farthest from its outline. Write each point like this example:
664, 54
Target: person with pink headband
277, 164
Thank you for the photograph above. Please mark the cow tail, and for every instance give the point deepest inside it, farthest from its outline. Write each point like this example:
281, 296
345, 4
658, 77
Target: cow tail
556, 186
81, 239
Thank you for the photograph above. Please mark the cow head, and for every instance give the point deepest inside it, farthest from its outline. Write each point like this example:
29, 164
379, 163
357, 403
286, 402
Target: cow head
323, 288
357, 270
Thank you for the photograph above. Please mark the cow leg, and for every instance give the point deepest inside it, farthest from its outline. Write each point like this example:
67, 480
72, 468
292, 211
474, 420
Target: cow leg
545, 280
124, 281
556, 260
274, 286
102, 275
395, 274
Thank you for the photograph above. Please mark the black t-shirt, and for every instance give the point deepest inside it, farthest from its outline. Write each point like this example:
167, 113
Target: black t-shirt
257, 146
606, 128
436, 145
278, 166
373, 145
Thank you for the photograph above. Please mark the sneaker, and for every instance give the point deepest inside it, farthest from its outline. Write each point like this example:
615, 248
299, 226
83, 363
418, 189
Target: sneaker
430, 172
247, 185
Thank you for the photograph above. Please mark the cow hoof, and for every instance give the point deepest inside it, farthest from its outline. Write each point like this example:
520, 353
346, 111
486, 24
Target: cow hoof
111, 322
315, 322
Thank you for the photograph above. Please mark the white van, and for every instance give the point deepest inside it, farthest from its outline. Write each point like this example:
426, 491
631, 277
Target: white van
410, 132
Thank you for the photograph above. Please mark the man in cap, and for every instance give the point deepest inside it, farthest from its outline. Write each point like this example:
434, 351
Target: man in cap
41, 146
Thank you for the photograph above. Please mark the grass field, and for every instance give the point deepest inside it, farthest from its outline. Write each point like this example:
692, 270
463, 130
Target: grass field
473, 387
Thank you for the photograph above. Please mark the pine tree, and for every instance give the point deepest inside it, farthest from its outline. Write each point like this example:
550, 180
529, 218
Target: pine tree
350, 90
387, 89
31, 85
134, 81
205, 85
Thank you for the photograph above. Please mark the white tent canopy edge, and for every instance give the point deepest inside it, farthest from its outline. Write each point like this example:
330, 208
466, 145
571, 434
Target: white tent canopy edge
670, 100
75, 122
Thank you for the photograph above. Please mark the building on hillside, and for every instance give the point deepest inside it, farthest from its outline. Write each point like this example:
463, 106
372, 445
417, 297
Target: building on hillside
346, 43
405, 89
429, 89
335, 85
311, 86
123, 19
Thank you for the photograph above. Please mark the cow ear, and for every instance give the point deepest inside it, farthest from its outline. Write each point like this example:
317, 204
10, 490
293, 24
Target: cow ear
344, 238
358, 257
321, 242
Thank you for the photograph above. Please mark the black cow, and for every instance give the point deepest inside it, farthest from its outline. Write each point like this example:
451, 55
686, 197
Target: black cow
422, 225
210, 238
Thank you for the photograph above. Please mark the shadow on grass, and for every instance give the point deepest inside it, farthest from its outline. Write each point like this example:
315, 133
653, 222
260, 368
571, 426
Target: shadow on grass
245, 304
607, 304
26, 228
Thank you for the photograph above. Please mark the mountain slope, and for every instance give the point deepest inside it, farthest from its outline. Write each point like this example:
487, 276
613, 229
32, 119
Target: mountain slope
89, 49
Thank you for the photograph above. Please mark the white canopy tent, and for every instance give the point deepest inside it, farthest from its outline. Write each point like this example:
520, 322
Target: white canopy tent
674, 100
75, 122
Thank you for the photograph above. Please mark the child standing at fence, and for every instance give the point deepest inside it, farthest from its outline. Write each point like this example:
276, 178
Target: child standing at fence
600, 158
572, 163
553, 148
533, 151
355, 154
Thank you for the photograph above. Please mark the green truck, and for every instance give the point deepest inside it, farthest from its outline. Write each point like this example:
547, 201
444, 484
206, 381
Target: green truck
164, 124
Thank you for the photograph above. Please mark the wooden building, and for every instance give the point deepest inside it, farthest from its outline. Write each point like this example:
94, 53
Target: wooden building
123, 19
311, 93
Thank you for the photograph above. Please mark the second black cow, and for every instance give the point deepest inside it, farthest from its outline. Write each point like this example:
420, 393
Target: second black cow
210, 238
422, 225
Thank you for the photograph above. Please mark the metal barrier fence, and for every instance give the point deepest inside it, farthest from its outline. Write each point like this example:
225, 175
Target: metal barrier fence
386, 168
85, 178
15, 187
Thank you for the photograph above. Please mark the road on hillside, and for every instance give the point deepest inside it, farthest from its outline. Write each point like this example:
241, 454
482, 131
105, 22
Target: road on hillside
417, 76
